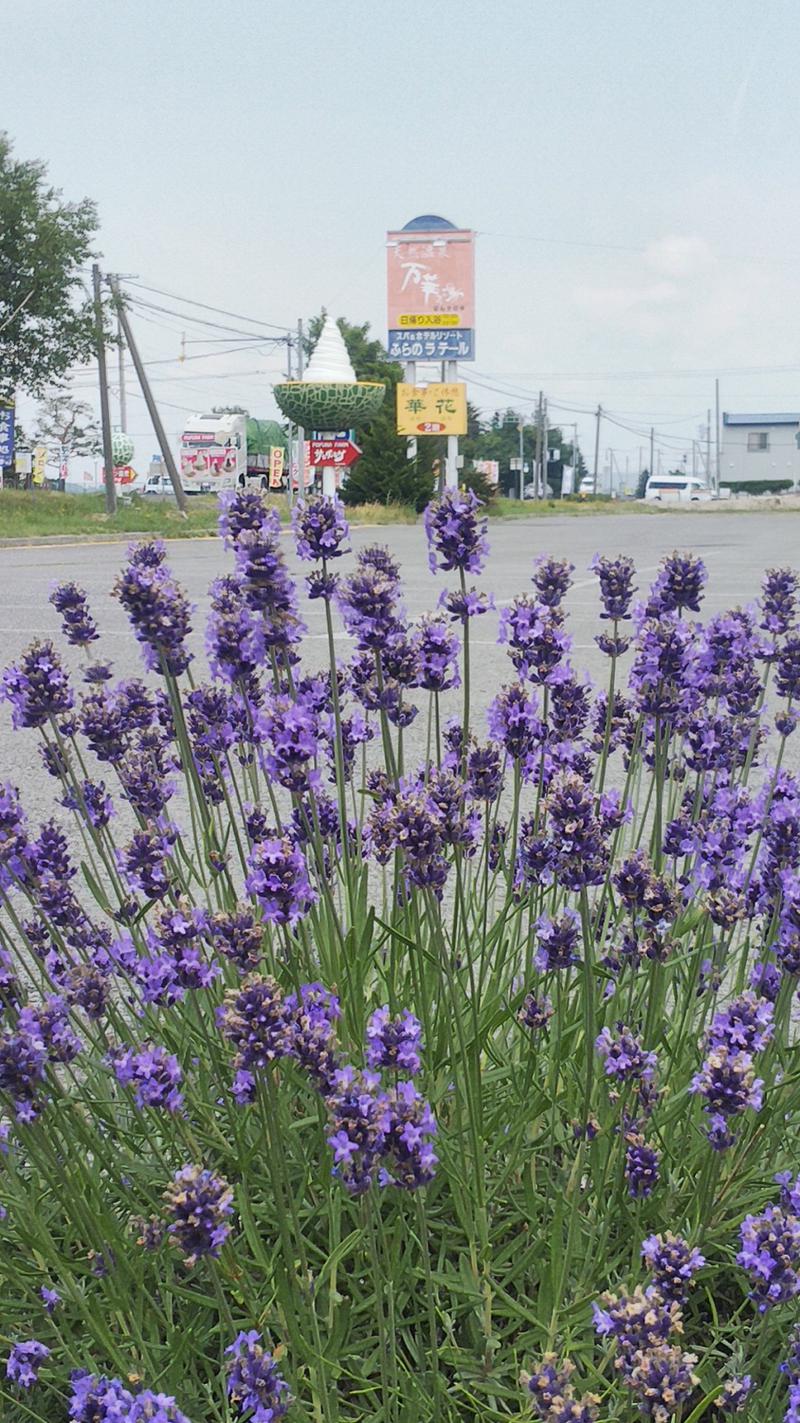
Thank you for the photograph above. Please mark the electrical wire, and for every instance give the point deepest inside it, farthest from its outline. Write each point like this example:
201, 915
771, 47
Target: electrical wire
204, 306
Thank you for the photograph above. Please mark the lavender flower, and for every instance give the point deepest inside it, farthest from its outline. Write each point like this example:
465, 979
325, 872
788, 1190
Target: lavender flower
80, 628
394, 1042
24, 1362
238, 936
255, 1386
535, 1013
673, 1264
50, 1298
408, 1130
744, 1026
149, 1407
368, 602
290, 728
641, 1321
662, 1380
255, 1019
770, 1253
617, 587
158, 610
154, 1073
95, 1399
268, 590
37, 686
242, 511
311, 1018
624, 1056
456, 535
484, 773
551, 578
642, 1164
679, 585
23, 1057
728, 1083
787, 668
278, 878
358, 1113
235, 640
199, 1203
778, 600
513, 721
735, 1394
320, 528
436, 647
536, 640
557, 940
581, 856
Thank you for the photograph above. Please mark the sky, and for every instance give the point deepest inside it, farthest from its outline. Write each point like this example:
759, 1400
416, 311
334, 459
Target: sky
631, 168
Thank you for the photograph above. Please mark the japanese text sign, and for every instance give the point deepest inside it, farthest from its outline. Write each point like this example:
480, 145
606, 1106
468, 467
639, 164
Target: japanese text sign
431, 280
432, 409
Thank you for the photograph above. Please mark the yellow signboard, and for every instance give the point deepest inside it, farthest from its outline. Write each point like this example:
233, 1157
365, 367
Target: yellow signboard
39, 463
432, 409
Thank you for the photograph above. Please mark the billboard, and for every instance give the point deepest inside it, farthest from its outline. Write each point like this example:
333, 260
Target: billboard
453, 345
430, 282
432, 409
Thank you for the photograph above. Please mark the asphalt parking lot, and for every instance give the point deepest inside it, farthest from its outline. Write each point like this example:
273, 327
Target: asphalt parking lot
736, 547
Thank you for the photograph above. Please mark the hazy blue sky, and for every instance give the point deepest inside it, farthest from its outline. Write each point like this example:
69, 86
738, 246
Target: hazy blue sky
631, 167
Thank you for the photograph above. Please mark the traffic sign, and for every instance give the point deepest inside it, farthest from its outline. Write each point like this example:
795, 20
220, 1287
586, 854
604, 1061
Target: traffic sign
337, 453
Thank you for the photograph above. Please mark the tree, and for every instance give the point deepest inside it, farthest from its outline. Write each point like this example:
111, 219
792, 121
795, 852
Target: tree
46, 317
384, 474
67, 426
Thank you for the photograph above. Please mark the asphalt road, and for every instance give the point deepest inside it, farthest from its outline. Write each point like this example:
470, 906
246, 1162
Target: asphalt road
736, 547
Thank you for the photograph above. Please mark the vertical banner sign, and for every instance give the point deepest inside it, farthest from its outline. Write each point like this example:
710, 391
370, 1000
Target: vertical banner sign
275, 466
430, 281
6, 435
39, 463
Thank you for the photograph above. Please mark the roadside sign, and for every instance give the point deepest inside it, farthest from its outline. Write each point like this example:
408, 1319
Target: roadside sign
437, 409
276, 457
6, 435
333, 453
456, 344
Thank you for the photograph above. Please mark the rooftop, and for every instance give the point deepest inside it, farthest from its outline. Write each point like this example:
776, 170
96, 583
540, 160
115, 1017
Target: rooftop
782, 418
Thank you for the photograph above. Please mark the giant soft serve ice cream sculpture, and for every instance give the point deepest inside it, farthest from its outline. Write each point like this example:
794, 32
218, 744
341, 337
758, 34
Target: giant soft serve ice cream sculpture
329, 397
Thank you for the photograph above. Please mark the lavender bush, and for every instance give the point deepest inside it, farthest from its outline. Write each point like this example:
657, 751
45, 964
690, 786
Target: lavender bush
342, 1087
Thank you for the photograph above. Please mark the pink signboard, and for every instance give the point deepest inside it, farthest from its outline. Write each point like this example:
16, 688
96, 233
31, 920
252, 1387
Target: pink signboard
431, 280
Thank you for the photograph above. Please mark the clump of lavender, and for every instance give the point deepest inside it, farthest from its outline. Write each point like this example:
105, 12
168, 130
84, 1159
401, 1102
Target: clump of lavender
779, 600
455, 532
728, 1084
199, 1203
679, 585
320, 528
80, 628
254, 1384
642, 1165
237, 934
735, 1395
358, 1111
394, 1042
437, 649
311, 1018
672, 1263
24, 1362
154, 1074
96, 1399
662, 1379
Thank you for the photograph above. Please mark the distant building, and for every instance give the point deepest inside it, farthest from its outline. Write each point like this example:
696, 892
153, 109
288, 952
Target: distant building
760, 451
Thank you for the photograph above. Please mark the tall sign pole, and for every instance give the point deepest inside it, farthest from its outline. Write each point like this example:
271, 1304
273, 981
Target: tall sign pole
301, 434
431, 317
105, 413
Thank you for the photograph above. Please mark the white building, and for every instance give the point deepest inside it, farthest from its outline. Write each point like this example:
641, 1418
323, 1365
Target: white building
760, 449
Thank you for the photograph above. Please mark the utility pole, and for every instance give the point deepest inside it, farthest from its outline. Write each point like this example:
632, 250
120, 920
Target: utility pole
538, 465
708, 449
451, 462
301, 434
152, 408
598, 418
123, 402
575, 457
521, 428
651, 471
545, 451
716, 394
105, 414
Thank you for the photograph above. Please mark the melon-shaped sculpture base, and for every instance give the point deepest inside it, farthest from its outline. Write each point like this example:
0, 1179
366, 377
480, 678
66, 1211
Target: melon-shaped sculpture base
330, 405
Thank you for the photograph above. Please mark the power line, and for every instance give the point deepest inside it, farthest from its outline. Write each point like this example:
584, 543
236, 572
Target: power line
204, 306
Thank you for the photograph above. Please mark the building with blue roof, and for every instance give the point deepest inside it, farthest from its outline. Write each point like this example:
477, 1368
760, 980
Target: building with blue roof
760, 451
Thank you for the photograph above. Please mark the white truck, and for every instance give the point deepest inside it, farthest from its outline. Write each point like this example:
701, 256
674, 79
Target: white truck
213, 453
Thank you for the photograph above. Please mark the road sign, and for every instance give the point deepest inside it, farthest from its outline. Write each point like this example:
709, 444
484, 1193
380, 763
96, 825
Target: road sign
435, 409
420, 345
337, 453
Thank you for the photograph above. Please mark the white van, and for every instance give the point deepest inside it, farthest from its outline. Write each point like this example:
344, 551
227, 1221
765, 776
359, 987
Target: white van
680, 488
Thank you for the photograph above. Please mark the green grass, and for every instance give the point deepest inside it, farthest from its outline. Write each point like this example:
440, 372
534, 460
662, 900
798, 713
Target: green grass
38, 513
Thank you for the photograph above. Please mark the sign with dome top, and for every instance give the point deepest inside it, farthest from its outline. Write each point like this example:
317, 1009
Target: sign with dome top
430, 281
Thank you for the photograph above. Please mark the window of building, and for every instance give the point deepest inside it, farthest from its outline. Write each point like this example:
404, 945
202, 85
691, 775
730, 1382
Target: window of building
757, 440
